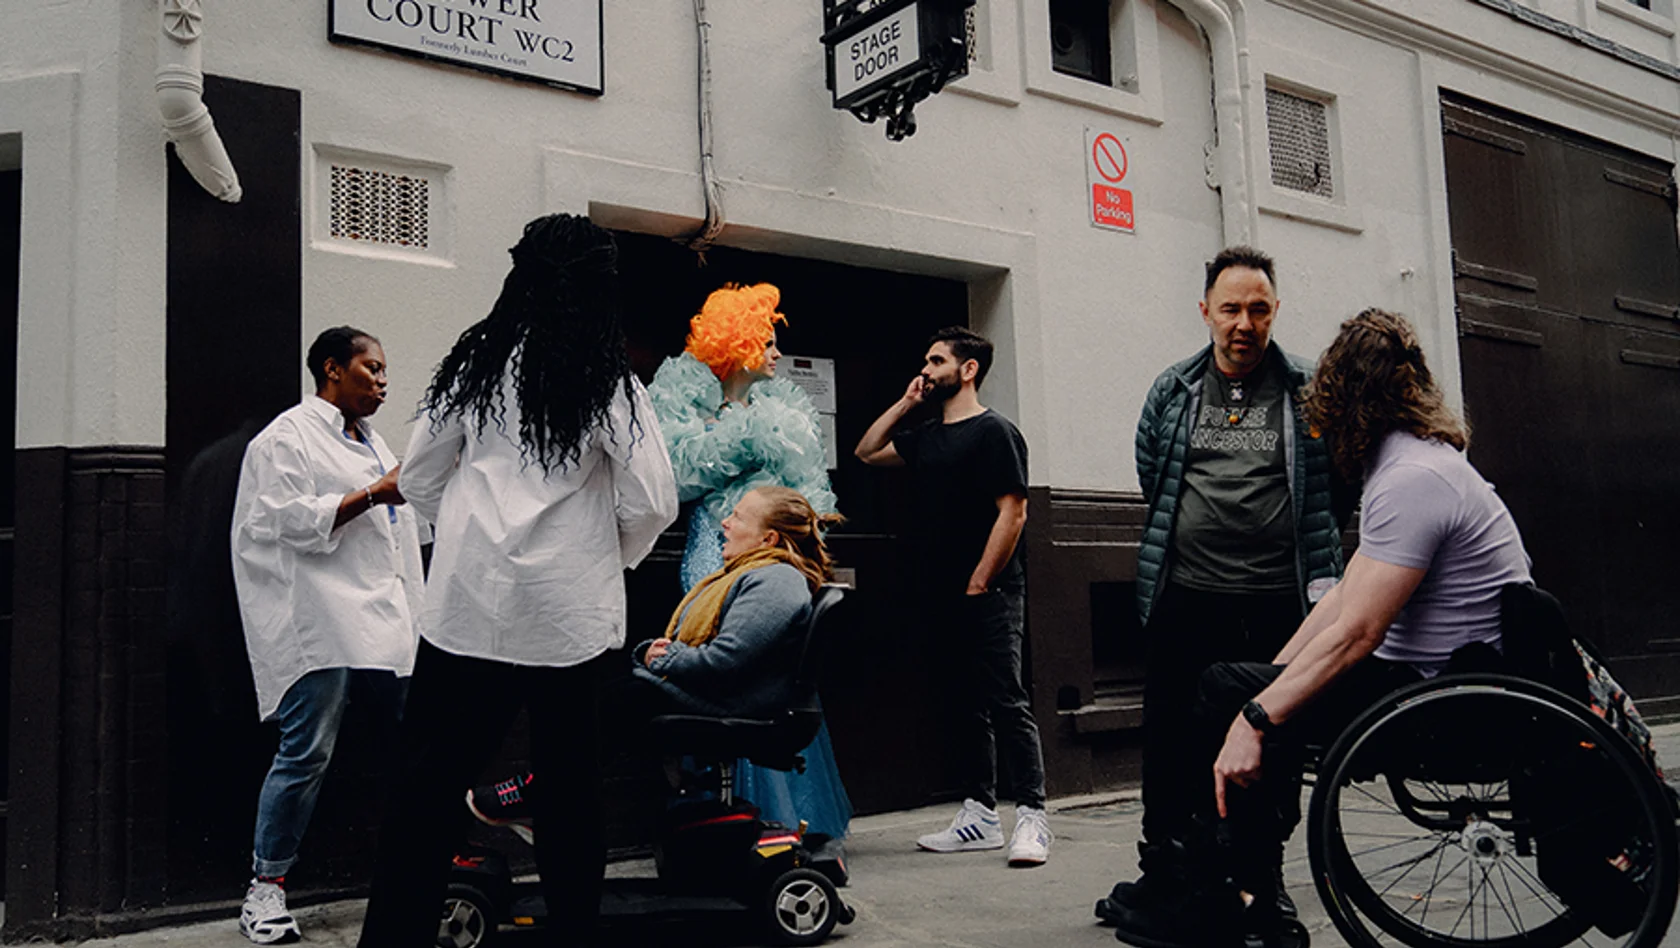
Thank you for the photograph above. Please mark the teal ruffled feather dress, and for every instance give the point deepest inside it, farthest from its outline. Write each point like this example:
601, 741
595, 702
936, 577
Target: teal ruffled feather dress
719, 454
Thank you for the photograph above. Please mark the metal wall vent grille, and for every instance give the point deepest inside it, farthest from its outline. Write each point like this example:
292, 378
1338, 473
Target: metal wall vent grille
380, 207
1298, 131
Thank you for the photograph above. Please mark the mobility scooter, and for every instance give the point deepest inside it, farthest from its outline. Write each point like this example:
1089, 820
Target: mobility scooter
713, 852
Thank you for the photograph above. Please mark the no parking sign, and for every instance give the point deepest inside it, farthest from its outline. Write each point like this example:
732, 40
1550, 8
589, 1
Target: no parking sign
1106, 165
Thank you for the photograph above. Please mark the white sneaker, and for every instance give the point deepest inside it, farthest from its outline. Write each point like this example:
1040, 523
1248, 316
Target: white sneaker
1030, 846
264, 918
976, 827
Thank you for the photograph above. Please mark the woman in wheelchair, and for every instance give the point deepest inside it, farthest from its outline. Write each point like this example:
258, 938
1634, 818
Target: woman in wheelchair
1436, 547
727, 651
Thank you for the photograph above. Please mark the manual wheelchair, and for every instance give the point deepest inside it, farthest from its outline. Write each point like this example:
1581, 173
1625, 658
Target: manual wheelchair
1489, 809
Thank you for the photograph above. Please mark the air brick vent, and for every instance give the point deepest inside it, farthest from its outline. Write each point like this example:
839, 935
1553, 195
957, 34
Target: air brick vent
1298, 131
380, 207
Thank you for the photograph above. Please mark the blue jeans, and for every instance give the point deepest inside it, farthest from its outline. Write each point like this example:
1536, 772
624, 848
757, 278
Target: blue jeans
309, 717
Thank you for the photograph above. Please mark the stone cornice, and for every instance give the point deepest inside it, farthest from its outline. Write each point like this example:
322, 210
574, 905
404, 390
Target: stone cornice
1382, 21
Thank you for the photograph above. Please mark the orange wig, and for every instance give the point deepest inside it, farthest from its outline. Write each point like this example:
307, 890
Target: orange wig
732, 329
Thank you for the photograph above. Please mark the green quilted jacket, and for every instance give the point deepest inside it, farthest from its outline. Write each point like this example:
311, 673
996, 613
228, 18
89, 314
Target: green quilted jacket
1320, 501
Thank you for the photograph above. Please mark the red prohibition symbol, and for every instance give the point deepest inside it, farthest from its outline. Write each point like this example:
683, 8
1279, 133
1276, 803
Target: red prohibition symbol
1110, 157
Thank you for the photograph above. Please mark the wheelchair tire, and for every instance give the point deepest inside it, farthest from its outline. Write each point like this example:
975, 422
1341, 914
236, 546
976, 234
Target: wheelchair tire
1491, 802
801, 908
468, 920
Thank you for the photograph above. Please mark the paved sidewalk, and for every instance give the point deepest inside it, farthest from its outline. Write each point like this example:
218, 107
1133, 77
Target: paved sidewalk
909, 898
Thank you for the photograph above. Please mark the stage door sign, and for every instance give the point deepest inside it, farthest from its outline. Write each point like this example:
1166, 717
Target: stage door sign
1106, 165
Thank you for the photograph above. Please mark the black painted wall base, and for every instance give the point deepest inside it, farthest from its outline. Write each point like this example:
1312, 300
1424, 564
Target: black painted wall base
85, 833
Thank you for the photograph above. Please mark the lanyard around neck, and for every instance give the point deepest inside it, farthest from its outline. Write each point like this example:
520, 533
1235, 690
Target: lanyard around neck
390, 509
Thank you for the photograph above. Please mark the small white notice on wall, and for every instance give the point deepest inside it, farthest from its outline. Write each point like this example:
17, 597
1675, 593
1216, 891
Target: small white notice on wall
816, 377
557, 42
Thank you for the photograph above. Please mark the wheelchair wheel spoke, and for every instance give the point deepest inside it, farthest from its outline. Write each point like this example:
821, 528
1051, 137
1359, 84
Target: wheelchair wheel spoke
1375, 799
1469, 901
1516, 920
1437, 791
1543, 892
1429, 893
1410, 861
1414, 864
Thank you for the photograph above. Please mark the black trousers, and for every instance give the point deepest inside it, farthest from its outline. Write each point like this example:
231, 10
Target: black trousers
1263, 814
981, 638
459, 710
1188, 631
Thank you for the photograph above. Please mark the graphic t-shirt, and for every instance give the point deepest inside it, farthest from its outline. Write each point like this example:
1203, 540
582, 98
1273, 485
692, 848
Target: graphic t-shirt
957, 473
1235, 531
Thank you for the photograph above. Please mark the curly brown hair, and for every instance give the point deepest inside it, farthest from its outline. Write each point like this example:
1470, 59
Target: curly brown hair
1371, 381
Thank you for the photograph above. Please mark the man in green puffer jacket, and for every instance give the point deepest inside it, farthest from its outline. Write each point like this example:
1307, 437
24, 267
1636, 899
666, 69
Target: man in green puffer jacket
1243, 534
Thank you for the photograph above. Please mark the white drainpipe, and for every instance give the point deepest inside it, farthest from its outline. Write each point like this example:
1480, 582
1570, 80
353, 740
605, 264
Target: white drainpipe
1231, 165
180, 98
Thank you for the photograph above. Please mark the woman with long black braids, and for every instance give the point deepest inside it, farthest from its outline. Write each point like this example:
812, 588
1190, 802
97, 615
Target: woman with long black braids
538, 457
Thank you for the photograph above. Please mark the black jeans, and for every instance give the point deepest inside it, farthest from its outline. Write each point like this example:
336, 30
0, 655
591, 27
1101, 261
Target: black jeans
982, 635
1188, 631
1263, 814
459, 709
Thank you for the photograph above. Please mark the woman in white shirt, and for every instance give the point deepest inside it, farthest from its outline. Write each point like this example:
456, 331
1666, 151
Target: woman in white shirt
538, 458
327, 566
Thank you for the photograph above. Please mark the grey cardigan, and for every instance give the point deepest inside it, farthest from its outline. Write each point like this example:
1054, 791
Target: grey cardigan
747, 670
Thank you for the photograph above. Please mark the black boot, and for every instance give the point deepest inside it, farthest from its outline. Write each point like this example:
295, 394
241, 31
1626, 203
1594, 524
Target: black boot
1161, 878
1265, 926
1201, 907
1270, 919
1198, 918
1285, 904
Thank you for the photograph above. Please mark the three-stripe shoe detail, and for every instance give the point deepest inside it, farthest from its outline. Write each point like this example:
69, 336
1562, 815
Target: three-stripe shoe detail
975, 827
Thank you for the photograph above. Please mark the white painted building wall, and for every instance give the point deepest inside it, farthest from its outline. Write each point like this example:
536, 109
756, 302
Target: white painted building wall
991, 189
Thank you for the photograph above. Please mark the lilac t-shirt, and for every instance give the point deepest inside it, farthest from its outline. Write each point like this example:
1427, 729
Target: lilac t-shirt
1425, 507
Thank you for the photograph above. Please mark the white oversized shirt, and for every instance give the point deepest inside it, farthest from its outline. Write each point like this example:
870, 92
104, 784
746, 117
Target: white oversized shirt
312, 596
528, 567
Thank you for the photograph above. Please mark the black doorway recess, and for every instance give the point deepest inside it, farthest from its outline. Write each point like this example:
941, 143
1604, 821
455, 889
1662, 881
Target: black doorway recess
875, 324
11, 223
1566, 266
234, 361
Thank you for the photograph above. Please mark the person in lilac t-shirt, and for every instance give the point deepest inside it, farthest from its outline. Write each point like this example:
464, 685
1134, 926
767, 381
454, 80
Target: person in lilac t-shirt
1436, 546
1426, 508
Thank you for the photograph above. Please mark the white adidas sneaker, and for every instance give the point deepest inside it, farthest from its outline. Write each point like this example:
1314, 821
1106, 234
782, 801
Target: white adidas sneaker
976, 827
264, 918
1030, 846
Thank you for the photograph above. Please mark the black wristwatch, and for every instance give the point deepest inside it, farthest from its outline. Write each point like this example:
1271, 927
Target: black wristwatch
1257, 718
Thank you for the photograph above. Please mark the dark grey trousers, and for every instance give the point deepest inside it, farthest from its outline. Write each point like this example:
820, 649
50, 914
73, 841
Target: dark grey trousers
989, 704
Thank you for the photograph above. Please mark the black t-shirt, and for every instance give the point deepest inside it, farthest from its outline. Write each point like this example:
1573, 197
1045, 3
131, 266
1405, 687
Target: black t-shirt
957, 473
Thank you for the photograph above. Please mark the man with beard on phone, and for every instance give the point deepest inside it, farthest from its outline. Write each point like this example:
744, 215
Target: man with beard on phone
968, 470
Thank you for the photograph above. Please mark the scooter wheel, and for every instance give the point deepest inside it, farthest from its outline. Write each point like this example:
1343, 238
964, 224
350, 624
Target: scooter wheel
801, 908
468, 920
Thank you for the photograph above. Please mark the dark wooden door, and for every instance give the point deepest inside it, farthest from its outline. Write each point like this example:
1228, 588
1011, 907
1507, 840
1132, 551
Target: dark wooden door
1567, 277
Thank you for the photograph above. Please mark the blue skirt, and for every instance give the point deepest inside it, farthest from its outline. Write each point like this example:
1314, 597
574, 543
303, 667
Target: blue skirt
816, 796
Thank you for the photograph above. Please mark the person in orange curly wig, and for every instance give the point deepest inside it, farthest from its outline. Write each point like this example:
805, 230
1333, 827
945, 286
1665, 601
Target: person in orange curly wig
734, 334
